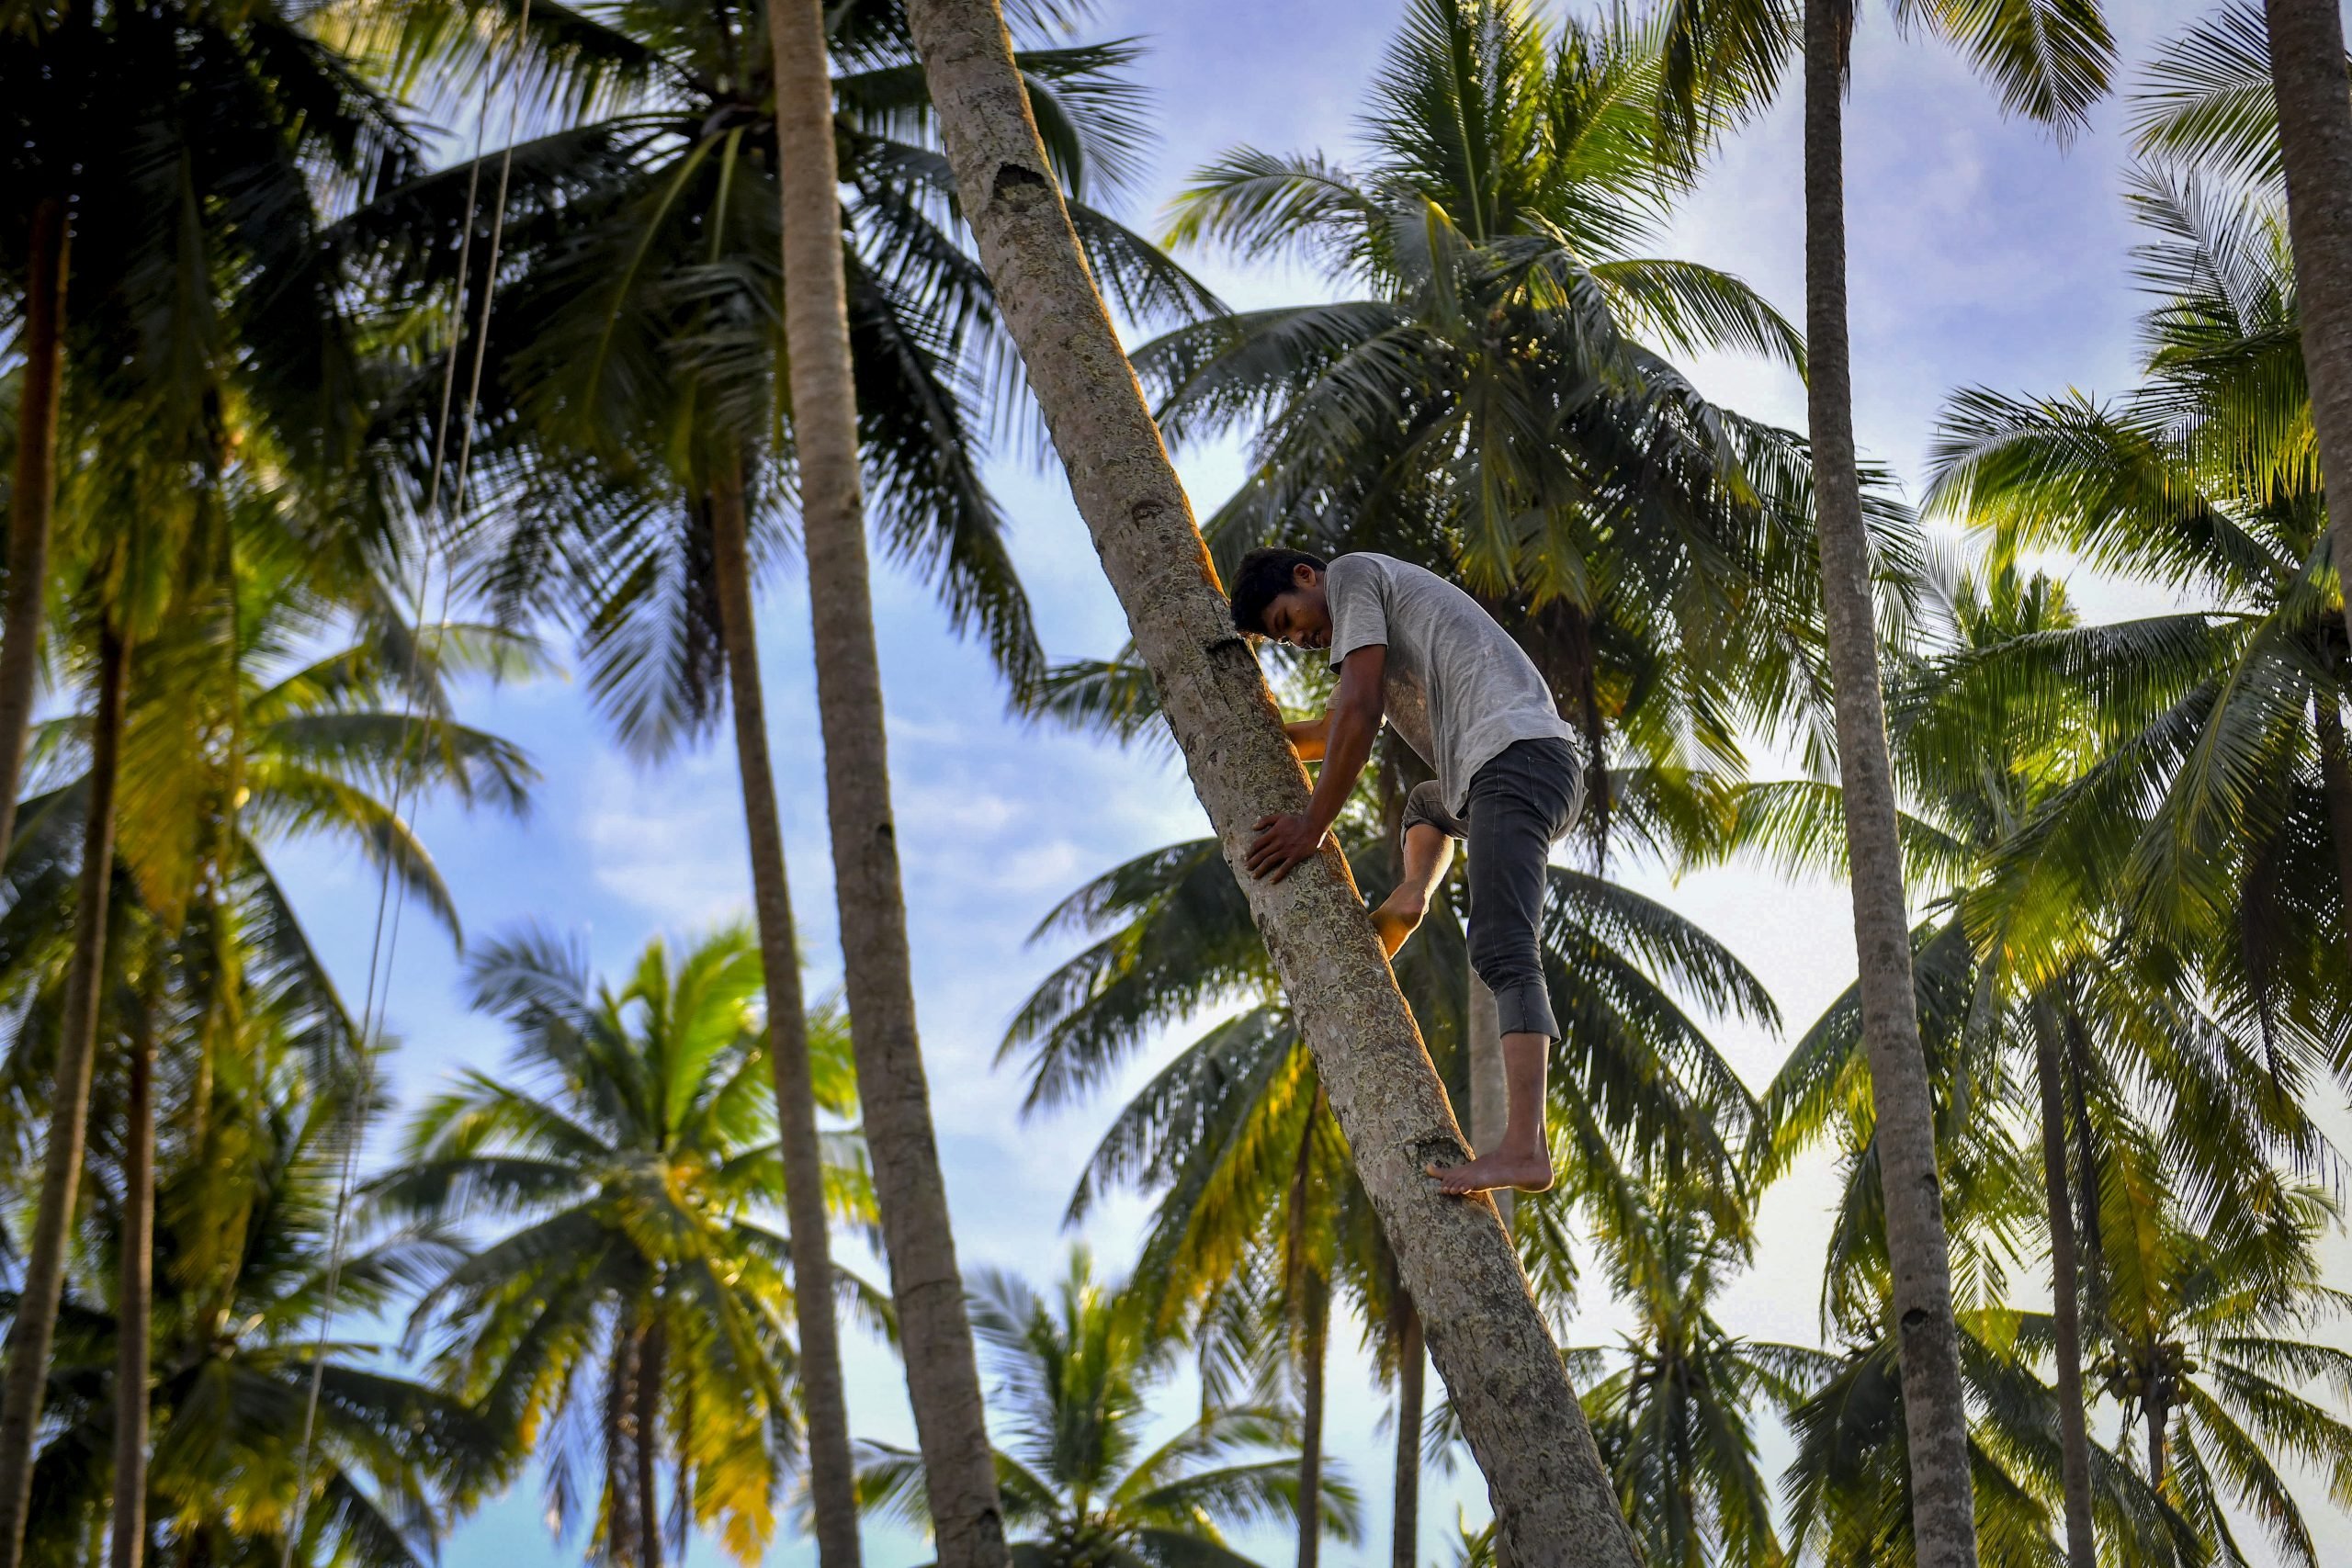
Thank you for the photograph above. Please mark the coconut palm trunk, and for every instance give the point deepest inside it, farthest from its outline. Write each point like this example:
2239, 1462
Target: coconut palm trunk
1316, 1355
1520, 1415
2073, 1435
1405, 1534
942, 1373
2315, 147
831, 1471
2335, 788
134, 1308
1934, 1402
648, 1440
42, 343
69, 1115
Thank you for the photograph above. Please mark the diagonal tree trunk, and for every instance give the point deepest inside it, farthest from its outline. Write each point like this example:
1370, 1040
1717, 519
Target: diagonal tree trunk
943, 1372
2307, 74
42, 343
832, 1478
1521, 1417
69, 1116
2073, 1435
134, 1310
1405, 1532
1934, 1401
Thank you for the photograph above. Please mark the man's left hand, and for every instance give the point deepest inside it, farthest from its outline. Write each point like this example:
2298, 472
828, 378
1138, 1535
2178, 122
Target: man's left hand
1285, 841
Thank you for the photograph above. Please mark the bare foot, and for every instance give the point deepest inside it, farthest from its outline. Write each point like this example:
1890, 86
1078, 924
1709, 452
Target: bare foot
1530, 1172
1397, 918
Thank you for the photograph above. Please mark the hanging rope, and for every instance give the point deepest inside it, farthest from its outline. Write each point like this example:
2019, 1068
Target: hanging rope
383, 942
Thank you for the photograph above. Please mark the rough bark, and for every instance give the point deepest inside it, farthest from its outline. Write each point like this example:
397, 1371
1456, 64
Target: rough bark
134, 1307
36, 1326
831, 1474
1517, 1410
1934, 1402
2073, 1435
2307, 74
42, 342
943, 1372
1404, 1531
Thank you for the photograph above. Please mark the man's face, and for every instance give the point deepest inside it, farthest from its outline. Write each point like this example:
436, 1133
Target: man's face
1301, 616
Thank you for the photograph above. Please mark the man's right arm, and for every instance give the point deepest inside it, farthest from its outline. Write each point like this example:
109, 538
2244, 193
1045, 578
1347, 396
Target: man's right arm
1308, 737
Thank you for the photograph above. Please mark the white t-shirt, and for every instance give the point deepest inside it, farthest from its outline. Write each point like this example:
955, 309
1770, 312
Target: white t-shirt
1458, 689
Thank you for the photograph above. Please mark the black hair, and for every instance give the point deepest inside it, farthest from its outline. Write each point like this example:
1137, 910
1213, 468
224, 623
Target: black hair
1264, 576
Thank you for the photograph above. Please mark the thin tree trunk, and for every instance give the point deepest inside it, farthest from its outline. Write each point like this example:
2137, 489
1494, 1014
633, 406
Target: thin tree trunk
1405, 1533
134, 1310
2073, 1435
2307, 74
832, 1478
1934, 1402
942, 1373
2335, 788
620, 1490
1317, 1314
44, 1276
42, 342
648, 1425
1490, 1343
2159, 1450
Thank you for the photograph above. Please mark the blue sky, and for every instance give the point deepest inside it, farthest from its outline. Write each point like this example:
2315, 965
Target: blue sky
1980, 253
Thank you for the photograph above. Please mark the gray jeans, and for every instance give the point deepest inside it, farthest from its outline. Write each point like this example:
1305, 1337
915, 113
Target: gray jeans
1522, 803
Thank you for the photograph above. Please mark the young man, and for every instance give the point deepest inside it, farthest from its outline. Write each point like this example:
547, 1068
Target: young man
1416, 651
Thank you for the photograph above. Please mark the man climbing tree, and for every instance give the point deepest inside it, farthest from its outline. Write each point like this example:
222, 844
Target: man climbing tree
1414, 649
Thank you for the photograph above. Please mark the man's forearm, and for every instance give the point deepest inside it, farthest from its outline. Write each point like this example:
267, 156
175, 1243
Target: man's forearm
1347, 746
1307, 736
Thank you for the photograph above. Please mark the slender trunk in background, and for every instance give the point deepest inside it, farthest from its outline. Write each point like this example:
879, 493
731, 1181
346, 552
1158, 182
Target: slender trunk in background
135, 1307
1317, 1312
831, 1477
1405, 1532
2159, 1450
1934, 1402
648, 1430
69, 1116
943, 1372
2073, 1433
1518, 1411
41, 340
2307, 75
2336, 789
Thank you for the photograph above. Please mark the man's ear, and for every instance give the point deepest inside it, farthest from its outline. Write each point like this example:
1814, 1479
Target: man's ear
1304, 576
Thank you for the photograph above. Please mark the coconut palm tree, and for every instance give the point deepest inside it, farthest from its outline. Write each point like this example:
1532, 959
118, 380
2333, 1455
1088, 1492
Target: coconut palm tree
245, 1259
2205, 1335
2222, 787
207, 293
2259, 94
1986, 734
1491, 396
628, 1297
1673, 1403
241, 732
1073, 1374
637, 354
2048, 61
1258, 1201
